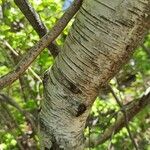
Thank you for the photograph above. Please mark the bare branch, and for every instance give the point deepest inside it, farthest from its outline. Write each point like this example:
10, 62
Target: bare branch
36, 22
17, 57
13, 58
10, 122
132, 109
6, 99
39, 46
32, 16
10, 101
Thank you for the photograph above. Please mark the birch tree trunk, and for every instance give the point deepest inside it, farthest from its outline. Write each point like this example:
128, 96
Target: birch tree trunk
102, 38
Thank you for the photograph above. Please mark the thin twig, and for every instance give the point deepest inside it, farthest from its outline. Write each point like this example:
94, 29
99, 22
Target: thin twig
113, 132
16, 125
39, 46
125, 116
17, 57
132, 109
13, 59
10, 101
11, 132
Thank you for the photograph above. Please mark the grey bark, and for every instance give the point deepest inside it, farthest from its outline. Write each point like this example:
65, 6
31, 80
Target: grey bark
102, 39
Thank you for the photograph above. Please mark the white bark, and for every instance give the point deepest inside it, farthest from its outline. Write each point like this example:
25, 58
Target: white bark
102, 39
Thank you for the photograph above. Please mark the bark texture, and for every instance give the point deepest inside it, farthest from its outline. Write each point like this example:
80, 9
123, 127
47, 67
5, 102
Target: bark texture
103, 37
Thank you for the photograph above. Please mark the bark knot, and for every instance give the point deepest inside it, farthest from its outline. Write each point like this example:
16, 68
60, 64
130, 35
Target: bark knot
81, 109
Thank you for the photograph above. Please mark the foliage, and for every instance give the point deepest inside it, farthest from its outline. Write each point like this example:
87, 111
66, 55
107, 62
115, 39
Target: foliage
128, 84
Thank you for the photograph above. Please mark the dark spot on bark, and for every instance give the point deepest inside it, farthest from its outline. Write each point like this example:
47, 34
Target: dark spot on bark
45, 78
73, 88
18, 68
127, 47
39, 109
65, 96
55, 145
126, 23
81, 109
42, 125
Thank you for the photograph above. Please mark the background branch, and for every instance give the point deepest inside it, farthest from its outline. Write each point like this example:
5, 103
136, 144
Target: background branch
36, 22
125, 117
132, 109
13, 57
8, 120
39, 46
16, 57
10, 101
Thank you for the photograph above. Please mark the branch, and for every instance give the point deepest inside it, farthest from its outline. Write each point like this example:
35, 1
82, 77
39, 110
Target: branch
36, 23
132, 109
11, 123
16, 57
125, 116
43, 43
10, 101
32, 16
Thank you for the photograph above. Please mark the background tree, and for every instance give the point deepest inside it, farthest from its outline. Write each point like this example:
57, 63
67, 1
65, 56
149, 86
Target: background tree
100, 42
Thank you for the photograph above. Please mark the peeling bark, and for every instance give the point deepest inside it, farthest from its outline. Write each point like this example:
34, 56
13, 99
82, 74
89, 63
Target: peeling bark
102, 39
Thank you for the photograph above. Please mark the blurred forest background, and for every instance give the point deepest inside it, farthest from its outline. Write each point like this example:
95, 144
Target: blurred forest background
20, 102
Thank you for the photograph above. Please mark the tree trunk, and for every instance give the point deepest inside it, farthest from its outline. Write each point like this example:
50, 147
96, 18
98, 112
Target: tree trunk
101, 40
